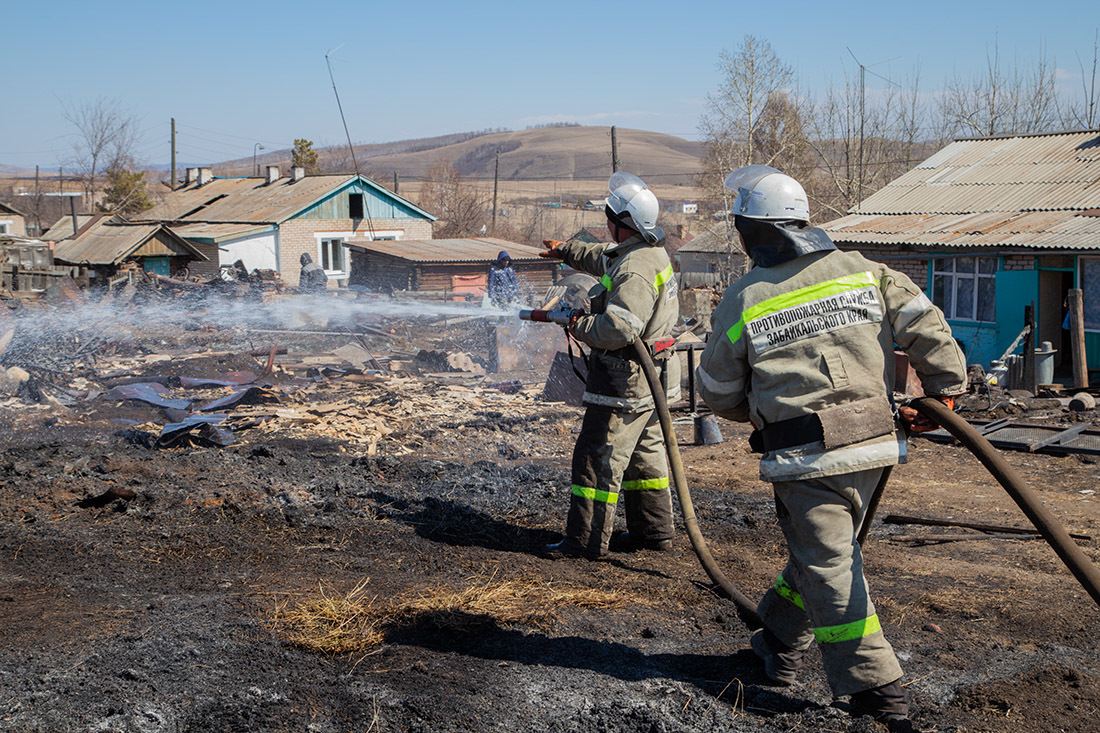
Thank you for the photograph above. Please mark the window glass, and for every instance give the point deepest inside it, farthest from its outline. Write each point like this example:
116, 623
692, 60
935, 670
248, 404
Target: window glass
987, 265
941, 293
964, 298
986, 299
964, 264
944, 265
1090, 284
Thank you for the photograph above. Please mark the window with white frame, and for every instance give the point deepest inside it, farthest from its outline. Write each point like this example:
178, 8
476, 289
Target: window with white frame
5, 227
963, 287
333, 257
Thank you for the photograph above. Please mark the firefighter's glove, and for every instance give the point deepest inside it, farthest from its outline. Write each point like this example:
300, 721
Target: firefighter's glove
552, 250
918, 423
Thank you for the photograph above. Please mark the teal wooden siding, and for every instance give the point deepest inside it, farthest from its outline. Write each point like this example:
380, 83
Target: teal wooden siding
379, 206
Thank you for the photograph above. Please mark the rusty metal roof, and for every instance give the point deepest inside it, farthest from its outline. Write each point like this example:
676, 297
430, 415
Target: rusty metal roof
253, 200
483, 249
1022, 191
202, 231
108, 241
1039, 229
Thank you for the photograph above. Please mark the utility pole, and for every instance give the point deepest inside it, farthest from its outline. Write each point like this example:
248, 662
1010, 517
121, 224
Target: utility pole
172, 180
396, 182
614, 151
863, 117
496, 182
37, 205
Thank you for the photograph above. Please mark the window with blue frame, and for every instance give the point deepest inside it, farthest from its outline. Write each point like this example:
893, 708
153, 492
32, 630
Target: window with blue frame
963, 287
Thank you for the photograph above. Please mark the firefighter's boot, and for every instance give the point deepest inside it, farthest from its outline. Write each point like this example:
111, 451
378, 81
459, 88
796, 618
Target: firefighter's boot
781, 663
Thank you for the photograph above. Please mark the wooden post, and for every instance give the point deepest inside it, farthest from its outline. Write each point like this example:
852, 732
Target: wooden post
1077, 338
614, 151
1029, 348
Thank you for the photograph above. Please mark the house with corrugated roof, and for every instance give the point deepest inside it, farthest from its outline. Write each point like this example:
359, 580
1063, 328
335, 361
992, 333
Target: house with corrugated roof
454, 268
268, 222
988, 225
12, 221
105, 242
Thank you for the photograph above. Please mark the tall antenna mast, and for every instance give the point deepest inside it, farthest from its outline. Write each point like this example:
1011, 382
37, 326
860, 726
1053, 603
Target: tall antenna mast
354, 161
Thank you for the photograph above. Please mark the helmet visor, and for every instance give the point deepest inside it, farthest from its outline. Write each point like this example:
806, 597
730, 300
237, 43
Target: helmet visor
748, 176
622, 187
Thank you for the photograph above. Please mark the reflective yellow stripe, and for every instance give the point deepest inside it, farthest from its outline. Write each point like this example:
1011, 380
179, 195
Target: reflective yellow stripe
646, 483
800, 296
847, 632
662, 277
585, 492
606, 282
788, 592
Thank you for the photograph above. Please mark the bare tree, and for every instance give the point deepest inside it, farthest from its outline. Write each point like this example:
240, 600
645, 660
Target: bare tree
754, 94
105, 137
462, 209
1084, 114
864, 139
1002, 100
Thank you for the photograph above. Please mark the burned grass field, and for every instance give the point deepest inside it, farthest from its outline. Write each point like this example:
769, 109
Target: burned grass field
364, 555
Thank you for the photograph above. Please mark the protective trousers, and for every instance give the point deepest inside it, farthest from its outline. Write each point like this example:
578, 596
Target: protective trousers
821, 594
618, 450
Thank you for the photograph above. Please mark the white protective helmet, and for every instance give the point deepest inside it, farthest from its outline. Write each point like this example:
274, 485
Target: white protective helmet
634, 203
765, 193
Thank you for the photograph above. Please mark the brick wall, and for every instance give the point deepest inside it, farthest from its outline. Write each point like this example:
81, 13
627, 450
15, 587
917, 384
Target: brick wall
915, 267
1019, 262
297, 236
16, 226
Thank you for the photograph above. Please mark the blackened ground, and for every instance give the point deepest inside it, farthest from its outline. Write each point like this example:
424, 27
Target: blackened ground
161, 613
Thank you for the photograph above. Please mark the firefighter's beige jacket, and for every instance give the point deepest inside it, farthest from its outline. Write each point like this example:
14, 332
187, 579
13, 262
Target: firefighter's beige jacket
816, 334
636, 296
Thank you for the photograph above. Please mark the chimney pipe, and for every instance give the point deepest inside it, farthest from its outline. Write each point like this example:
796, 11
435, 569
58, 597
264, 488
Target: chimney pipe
192, 176
206, 175
272, 173
297, 173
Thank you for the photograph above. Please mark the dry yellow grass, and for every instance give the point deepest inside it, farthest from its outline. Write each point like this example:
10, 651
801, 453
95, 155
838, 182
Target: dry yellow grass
356, 622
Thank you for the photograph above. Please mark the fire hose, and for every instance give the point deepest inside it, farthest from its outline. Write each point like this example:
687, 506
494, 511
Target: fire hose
1056, 536
1048, 527
745, 607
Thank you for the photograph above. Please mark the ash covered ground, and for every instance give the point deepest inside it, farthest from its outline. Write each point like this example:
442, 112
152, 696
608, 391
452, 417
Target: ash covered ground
364, 555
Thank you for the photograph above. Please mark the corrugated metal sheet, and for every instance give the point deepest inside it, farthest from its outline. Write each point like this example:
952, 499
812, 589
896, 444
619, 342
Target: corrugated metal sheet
219, 232
107, 242
483, 249
253, 200
1039, 229
1027, 173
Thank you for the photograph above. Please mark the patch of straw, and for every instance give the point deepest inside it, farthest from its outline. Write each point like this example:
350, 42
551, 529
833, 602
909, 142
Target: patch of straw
356, 622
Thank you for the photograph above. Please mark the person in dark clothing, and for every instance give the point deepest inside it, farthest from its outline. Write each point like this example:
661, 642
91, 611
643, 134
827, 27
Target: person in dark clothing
312, 278
503, 286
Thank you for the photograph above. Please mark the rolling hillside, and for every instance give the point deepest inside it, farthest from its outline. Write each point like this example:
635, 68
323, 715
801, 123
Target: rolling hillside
555, 153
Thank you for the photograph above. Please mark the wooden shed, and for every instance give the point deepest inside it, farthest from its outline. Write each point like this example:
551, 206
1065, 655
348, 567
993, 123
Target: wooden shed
445, 267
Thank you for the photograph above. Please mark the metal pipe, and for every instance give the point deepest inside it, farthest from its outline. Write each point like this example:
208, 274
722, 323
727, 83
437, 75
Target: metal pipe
1056, 536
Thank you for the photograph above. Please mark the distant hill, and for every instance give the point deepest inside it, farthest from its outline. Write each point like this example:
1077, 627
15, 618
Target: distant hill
554, 153
550, 153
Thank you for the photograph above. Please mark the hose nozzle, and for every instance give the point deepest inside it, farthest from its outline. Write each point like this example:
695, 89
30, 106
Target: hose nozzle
562, 317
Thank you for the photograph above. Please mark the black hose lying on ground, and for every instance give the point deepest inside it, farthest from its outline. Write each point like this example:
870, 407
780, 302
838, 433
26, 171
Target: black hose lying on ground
746, 608
1056, 536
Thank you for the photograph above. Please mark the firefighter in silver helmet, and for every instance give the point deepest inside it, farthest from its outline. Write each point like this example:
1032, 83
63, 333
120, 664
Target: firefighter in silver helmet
803, 349
620, 448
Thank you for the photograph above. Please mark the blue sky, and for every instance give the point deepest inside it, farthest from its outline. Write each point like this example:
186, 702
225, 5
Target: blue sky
237, 73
